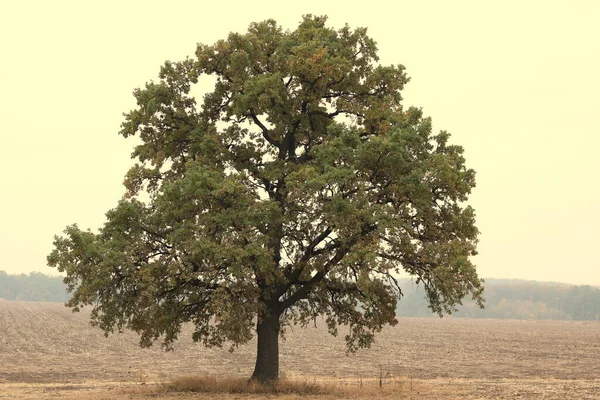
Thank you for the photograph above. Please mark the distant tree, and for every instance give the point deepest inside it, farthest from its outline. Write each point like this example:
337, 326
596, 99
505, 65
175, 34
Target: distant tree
519, 299
299, 187
32, 287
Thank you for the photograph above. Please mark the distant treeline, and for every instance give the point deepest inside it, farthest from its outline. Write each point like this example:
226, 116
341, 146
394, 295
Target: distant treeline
32, 287
515, 299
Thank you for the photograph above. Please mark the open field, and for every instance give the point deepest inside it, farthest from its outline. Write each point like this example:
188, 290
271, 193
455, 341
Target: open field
48, 352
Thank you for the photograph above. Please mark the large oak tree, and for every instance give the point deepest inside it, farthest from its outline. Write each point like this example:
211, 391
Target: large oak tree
298, 187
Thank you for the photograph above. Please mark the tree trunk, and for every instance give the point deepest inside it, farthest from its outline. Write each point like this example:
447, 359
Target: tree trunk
267, 349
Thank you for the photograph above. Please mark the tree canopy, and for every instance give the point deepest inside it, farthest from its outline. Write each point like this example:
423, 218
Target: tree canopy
298, 187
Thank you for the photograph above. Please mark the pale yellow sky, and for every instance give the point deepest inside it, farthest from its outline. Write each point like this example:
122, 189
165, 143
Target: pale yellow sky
516, 83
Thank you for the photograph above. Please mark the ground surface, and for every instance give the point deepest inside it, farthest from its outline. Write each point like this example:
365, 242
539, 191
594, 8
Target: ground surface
48, 352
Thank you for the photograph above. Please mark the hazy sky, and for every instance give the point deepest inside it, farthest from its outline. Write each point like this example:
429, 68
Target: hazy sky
517, 83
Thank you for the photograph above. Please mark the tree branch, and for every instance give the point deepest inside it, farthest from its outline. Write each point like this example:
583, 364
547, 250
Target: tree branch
324, 114
303, 291
263, 128
308, 253
293, 275
307, 286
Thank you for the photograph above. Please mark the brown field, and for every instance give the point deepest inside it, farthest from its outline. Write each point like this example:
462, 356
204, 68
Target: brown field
48, 352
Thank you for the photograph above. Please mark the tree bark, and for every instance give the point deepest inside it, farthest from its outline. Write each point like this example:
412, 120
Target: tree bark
267, 349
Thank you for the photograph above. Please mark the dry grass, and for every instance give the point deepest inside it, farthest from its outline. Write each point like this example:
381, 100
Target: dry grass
290, 389
430, 389
210, 384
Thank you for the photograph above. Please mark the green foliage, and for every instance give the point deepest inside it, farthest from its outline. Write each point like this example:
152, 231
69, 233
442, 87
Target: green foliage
298, 187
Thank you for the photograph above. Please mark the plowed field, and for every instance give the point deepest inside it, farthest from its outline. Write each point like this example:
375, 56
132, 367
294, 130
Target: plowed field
48, 352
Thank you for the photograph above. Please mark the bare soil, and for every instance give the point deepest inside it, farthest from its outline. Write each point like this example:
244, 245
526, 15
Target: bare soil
48, 352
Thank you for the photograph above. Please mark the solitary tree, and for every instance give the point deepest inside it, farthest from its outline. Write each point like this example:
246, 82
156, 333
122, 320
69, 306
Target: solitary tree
298, 187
